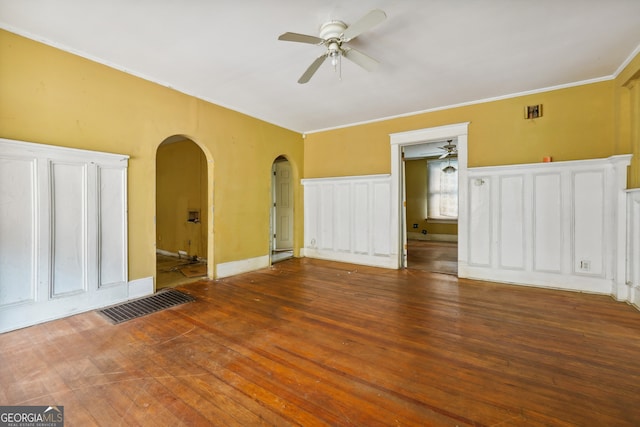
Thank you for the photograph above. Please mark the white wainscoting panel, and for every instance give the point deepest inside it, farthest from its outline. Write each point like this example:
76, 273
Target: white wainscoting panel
17, 230
480, 224
549, 224
68, 228
359, 235
631, 289
112, 227
589, 201
349, 219
63, 232
511, 223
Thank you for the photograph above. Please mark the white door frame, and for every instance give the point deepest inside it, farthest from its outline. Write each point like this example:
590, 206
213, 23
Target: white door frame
420, 136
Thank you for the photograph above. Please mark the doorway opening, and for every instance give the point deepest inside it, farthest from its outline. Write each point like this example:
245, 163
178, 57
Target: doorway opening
282, 219
181, 212
443, 253
431, 211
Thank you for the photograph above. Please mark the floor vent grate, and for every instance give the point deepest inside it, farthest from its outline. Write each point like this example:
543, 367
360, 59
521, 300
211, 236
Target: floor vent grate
145, 305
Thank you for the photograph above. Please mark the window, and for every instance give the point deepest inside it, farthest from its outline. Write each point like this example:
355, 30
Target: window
442, 189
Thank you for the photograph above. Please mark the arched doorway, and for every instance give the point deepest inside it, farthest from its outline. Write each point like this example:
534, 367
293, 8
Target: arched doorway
181, 212
282, 215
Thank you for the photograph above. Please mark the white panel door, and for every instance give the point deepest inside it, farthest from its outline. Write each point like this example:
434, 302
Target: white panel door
284, 206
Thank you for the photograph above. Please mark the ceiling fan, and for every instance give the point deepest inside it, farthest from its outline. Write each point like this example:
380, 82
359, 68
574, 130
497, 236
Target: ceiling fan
335, 35
449, 149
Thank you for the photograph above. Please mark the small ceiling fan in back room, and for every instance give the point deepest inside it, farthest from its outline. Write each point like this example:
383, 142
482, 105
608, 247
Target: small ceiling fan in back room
450, 150
335, 35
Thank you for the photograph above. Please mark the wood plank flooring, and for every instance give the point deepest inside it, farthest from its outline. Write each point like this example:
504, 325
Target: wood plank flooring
433, 256
313, 343
168, 271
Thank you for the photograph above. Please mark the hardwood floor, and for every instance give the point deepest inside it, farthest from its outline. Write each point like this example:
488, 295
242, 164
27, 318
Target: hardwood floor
309, 342
433, 256
168, 271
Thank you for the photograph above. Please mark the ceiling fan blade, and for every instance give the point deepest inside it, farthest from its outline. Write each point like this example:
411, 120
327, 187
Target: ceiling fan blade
443, 156
365, 61
312, 69
300, 38
368, 21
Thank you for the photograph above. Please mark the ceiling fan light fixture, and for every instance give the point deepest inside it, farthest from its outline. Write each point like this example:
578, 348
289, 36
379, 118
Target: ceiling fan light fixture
334, 54
334, 35
449, 169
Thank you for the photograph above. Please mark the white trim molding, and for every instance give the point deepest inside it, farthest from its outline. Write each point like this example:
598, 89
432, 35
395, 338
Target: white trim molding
140, 287
421, 136
232, 268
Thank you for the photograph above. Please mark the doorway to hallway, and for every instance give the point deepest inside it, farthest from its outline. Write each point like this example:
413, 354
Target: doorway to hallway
282, 211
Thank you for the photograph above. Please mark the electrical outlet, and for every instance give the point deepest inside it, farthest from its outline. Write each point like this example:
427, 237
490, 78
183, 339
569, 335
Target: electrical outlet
585, 265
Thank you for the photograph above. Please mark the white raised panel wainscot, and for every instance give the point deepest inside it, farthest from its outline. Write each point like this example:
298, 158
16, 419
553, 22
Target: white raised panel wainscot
63, 232
630, 290
348, 219
560, 225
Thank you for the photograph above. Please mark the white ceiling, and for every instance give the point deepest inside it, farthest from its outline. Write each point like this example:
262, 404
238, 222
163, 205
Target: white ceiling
433, 53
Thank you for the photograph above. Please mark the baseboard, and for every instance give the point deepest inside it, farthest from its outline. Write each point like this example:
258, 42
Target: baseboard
176, 255
140, 287
383, 261
634, 296
167, 253
568, 282
232, 268
414, 235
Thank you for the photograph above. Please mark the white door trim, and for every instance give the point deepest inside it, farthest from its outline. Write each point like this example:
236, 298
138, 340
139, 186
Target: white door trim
420, 136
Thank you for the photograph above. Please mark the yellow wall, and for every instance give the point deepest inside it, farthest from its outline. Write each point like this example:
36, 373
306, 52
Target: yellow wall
49, 96
415, 172
577, 123
627, 103
181, 186
52, 97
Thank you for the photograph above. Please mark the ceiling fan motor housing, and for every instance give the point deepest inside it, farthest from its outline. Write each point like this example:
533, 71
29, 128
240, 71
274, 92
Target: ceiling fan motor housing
332, 30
